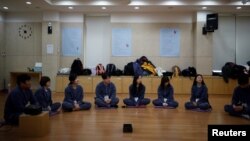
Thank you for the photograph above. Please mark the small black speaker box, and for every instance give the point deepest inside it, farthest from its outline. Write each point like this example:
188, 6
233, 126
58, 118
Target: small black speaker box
212, 21
127, 128
49, 29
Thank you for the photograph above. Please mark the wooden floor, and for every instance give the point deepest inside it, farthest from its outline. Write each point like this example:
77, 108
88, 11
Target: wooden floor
149, 124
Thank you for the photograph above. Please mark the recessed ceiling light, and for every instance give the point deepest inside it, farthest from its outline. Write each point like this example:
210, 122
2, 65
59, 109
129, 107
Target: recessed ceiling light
28, 2
238, 7
136, 8
104, 8
70, 7
5, 8
204, 7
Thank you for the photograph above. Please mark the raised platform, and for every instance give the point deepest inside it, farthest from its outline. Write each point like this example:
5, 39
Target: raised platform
182, 85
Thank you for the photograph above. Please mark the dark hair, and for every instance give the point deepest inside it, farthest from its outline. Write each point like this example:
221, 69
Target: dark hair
76, 67
22, 78
72, 78
164, 79
105, 76
195, 82
44, 80
243, 79
134, 84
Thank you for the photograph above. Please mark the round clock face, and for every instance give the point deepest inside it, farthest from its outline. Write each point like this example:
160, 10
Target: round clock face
25, 31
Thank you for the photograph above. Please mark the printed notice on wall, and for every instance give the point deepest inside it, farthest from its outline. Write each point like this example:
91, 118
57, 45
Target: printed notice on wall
50, 48
72, 41
121, 42
170, 42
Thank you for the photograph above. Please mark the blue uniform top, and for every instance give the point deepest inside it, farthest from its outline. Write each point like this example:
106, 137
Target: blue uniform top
199, 93
17, 100
140, 94
103, 90
167, 92
72, 94
43, 97
241, 96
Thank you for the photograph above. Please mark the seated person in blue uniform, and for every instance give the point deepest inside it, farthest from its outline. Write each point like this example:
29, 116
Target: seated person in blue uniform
240, 105
106, 93
199, 95
19, 98
73, 100
165, 94
43, 97
136, 94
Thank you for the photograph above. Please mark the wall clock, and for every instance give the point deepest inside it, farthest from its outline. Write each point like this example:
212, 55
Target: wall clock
25, 31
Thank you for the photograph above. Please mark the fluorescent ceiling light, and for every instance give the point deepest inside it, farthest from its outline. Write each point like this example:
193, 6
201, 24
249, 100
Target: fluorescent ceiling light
136, 8
204, 7
28, 2
67, 3
104, 8
70, 7
102, 2
5, 8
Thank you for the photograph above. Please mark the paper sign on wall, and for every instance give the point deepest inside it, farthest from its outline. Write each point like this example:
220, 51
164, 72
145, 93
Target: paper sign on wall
121, 42
170, 42
50, 48
72, 41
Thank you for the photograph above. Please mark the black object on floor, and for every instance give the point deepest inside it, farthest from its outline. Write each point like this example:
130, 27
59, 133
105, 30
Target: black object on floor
127, 128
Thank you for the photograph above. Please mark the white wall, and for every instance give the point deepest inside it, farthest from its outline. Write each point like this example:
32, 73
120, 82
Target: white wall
224, 42
231, 41
23, 17
152, 18
242, 39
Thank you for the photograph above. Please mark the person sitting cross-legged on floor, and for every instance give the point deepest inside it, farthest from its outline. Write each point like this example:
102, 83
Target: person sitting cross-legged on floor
165, 94
199, 95
136, 94
73, 100
240, 105
106, 93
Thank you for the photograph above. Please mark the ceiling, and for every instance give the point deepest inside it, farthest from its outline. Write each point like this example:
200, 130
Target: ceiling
121, 6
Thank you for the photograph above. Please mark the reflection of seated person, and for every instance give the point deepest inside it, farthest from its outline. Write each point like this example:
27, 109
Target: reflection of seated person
77, 67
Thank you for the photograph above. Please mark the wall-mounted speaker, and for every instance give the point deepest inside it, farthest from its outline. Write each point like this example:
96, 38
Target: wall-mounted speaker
49, 28
212, 22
